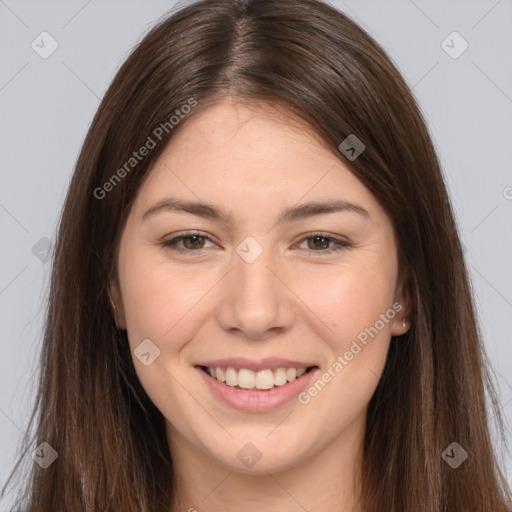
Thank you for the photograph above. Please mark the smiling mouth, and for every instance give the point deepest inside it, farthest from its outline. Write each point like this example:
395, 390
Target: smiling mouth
249, 380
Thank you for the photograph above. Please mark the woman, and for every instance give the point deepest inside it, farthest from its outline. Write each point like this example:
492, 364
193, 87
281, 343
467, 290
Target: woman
259, 298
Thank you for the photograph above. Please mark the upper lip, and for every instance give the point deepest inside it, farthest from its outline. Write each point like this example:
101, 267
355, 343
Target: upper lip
256, 365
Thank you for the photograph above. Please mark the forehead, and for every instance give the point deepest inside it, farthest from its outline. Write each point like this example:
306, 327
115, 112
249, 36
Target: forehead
233, 131
244, 157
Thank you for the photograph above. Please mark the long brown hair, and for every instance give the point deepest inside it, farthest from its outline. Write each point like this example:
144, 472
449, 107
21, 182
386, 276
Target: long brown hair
315, 62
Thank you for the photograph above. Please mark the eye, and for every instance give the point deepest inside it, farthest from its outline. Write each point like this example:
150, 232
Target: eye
321, 240
193, 242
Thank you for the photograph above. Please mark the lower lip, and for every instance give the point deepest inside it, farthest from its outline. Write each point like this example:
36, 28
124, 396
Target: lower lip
259, 400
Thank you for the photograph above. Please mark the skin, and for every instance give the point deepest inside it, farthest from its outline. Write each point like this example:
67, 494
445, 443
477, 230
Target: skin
254, 162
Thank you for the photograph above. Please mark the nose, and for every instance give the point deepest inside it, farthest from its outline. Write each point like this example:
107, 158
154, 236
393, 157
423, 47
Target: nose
256, 299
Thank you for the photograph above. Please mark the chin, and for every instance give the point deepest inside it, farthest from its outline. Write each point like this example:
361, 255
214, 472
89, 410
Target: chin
258, 455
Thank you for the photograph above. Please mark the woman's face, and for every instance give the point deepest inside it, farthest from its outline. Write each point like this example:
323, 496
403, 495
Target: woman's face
268, 282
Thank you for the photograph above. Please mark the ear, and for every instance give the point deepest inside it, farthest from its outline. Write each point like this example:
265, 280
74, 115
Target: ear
117, 304
402, 305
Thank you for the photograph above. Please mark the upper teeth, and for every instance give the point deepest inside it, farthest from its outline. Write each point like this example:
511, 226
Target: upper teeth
249, 379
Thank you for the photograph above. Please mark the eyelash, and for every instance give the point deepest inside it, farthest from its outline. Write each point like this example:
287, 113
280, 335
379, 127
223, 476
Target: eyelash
172, 243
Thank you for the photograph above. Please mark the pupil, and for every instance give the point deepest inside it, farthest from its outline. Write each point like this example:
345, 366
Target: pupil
195, 239
317, 238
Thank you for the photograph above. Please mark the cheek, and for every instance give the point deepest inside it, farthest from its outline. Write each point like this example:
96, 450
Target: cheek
156, 295
167, 306
356, 304
347, 299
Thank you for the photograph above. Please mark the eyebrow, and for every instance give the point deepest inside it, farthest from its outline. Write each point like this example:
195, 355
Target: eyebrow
209, 211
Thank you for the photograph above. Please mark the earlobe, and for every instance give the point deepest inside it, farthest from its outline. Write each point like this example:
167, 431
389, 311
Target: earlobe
402, 320
117, 305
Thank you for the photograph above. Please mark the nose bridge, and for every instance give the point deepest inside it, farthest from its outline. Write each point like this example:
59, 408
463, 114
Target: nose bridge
253, 275
254, 300
254, 282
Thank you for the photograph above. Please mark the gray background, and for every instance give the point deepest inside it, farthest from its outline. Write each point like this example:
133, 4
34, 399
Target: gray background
46, 106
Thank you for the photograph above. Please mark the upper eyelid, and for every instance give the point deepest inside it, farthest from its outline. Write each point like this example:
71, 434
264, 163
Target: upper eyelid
206, 235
